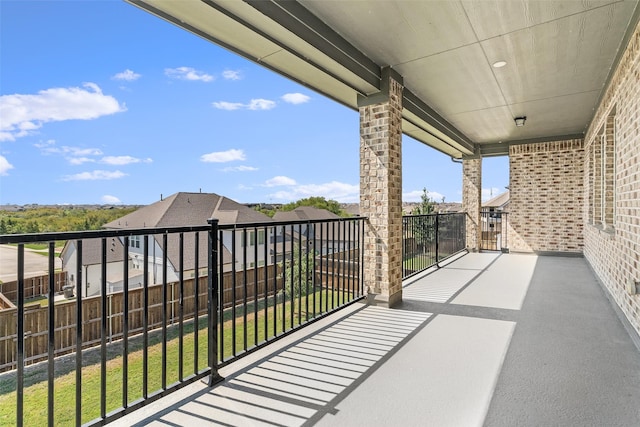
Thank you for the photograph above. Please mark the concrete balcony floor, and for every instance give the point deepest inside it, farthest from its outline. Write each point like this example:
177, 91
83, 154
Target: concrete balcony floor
489, 339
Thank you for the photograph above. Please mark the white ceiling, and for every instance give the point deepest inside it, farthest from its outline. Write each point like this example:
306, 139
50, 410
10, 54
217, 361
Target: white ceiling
559, 57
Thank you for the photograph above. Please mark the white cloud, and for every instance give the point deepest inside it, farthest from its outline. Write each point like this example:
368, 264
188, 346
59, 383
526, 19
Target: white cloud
45, 144
188, 73
277, 181
416, 196
80, 160
334, 190
231, 75
241, 168
295, 98
261, 104
122, 160
254, 104
94, 176
223, 156
127, 75
229, 106
110, 200
5, 166
24, 114
74, 155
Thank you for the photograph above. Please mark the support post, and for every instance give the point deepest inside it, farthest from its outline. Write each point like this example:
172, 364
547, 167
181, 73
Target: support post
472, 200
381, 189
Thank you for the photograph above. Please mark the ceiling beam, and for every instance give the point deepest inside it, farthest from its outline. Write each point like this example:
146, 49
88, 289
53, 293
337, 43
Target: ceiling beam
502, 148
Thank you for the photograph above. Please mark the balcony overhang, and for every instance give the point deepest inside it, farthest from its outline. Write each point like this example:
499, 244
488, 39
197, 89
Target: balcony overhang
559, 58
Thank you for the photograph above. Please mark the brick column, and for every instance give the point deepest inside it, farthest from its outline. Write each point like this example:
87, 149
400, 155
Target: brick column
381, 189
472, 199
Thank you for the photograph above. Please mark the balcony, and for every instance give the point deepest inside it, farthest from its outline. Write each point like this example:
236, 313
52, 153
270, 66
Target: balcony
487, 339
478, 336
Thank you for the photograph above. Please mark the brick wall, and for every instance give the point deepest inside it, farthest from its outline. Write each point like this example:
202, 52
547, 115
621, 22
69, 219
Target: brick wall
612, 229
546, 190
471, 200
381, 194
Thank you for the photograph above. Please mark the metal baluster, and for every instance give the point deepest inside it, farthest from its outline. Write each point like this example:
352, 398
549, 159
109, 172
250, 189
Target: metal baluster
145, 318
125, 325
20, 340
51, 334
79, 334
196, 302
212, 306
103, 325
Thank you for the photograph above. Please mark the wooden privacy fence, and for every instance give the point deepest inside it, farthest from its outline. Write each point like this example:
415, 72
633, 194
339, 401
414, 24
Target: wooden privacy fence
329, 270
36, 320
33, 286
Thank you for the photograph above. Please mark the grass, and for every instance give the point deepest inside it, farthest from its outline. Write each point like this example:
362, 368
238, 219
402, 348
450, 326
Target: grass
36, 391
419, 262
43, 248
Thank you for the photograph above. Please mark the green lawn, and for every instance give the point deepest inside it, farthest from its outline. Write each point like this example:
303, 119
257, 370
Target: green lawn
419, 262
35, 394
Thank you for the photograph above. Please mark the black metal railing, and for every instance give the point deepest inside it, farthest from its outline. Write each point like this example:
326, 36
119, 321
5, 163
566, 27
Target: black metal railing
494, 230
147, 311
429, 239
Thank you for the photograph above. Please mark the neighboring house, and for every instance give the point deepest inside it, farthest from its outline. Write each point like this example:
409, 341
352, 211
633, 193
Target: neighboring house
192, 209
91, 271
180, 209
334, 237
493, 226
497, 204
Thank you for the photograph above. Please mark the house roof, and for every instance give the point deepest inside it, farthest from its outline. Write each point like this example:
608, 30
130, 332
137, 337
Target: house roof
499, 201
303, 213
185, 209
188, 209
92, 250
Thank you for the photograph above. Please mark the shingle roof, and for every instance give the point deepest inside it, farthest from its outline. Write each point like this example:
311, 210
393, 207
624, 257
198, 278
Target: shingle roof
304, 212
189, 209
499, 201
92, 250
185, 209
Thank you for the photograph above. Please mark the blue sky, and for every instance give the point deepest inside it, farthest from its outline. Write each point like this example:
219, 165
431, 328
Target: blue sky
101, 102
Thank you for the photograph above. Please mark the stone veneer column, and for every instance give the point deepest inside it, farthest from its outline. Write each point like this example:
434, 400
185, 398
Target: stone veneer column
472, 199
381, 189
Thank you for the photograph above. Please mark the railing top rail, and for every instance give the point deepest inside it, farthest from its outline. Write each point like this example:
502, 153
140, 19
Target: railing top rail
121, 232
434, 214
292, 222
96, 234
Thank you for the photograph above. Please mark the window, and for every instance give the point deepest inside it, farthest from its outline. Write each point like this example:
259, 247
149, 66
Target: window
248, 238
134, 241
601, 175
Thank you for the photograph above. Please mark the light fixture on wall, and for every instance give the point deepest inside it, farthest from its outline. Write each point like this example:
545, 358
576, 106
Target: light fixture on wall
520, 121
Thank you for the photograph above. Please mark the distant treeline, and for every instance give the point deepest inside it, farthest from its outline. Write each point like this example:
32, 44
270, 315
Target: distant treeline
316, 202
57, 219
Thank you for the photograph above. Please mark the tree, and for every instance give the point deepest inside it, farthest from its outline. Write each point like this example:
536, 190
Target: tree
317, 202
427, 204
298, 273
423, 227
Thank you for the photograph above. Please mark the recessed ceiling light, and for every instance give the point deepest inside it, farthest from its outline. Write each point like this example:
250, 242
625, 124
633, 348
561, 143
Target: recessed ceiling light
499, 64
